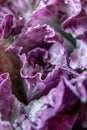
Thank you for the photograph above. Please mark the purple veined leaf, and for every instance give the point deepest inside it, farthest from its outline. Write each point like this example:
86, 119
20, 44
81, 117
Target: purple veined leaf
44, 111
6, 97
54, 13
5, 27
12, 18
64, 120
46, 106
78, 86
78, 57
30, 39
82, 86
54, 9
9, 63
8, 15
76, 25
9, 26
10, 107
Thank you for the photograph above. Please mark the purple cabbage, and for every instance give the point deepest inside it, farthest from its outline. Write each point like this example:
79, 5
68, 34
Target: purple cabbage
46, 55
43, 77
43, 63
